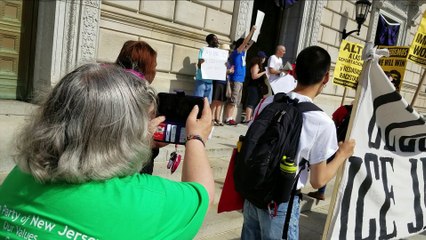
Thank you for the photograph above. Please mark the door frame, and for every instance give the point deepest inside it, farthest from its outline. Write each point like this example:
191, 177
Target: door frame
24, 89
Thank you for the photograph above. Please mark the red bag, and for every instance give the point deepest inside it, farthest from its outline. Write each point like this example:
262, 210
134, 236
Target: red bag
230, 199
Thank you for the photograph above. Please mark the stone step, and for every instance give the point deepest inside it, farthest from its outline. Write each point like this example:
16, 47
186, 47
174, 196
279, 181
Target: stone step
215, 223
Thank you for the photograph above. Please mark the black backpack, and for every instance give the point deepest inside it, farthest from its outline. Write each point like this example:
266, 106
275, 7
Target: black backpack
273, 134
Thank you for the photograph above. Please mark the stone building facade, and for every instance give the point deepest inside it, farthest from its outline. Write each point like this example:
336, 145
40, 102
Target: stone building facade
56, 36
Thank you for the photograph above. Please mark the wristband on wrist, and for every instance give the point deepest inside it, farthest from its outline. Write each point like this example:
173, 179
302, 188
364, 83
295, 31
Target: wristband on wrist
196, 137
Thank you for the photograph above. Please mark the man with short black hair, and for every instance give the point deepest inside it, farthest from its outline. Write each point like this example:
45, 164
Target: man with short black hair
317, 143
204, 87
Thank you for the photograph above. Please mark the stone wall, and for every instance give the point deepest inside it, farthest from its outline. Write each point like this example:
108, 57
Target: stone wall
338, 15
175, 29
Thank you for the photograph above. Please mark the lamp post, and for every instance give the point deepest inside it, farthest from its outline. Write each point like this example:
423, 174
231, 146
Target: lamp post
362, 8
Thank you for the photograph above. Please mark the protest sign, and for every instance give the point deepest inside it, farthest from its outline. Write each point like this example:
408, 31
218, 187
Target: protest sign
417, 52
285, 83
381, 194
394, 65
348, 65
259, 20
214, 67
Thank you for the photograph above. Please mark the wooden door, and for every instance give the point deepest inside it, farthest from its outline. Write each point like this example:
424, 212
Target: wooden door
10, 37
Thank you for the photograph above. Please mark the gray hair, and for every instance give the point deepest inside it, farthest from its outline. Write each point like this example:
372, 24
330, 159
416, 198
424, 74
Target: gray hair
279, 47
92, 126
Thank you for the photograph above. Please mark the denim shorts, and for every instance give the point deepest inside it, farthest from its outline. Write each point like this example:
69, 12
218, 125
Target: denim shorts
204, 89
259, 225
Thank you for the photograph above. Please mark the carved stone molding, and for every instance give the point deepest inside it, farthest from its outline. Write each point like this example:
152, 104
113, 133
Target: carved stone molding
311, 23
67, 33
81, 32
242, 18
89, 30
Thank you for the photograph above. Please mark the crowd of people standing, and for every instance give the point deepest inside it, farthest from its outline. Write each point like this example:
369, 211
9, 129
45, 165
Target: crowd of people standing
229, 92
85, 161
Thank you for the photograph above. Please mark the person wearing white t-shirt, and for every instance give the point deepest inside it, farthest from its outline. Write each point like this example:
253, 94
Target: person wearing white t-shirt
275, 63
317, 143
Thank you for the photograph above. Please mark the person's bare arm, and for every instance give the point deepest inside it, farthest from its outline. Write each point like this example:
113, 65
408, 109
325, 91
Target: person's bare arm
273, 71
230, 70
196, 167
248, 46
323, 172
242, 47
255, 74
200, 61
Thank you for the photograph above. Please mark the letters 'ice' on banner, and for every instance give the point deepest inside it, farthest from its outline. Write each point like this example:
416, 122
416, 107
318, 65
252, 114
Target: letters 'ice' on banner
382, 191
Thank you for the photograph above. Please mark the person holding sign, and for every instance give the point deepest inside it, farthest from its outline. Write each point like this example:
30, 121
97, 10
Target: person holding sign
204, 87
238, 61
219, 92
275, 64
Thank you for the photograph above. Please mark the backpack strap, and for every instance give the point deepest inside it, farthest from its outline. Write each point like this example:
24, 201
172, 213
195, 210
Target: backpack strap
302, 166
258, 107
302, 106
308, 106
281, 97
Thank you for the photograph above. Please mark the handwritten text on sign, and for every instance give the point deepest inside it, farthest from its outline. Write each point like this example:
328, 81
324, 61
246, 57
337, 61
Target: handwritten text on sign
214, 66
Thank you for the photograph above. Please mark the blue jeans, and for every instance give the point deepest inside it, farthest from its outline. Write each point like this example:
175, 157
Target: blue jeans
258, 225
203, 89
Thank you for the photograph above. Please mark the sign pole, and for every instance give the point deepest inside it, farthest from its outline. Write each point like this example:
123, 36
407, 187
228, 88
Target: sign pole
339, 173
344, 96
416, 94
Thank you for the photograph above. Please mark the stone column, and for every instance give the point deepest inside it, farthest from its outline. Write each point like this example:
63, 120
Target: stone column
67, 33
241, 18
311, 22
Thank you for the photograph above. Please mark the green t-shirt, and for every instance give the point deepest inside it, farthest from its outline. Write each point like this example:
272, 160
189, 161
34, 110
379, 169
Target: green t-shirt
133, 207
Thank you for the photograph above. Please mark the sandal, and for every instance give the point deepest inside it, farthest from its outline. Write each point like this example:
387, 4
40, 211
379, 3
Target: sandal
217, 122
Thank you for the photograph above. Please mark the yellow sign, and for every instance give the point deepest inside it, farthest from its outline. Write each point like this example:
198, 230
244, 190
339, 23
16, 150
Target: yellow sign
348, 64
417, 52
394, 65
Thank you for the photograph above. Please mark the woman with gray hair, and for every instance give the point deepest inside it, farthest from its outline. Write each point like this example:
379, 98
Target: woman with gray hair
78, 161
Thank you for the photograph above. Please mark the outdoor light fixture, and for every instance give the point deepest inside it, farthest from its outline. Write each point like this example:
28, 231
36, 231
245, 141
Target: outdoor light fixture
362, 8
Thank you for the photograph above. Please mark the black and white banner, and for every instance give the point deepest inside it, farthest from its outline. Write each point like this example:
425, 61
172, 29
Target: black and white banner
382, 192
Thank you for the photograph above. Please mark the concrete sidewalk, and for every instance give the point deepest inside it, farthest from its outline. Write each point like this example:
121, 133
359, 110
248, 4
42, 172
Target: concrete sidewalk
13, 115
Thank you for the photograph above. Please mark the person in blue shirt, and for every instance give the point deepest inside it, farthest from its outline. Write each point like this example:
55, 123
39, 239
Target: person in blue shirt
238, 60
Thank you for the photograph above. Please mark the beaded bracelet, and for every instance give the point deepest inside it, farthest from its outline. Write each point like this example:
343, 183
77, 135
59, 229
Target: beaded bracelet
197, 137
